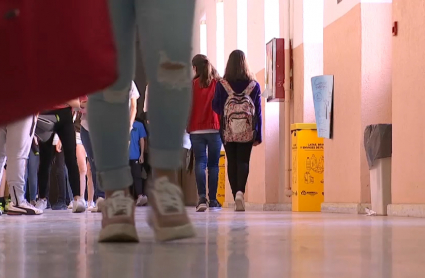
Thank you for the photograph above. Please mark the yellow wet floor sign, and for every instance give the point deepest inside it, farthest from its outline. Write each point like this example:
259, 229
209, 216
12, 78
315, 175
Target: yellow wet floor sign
308, 162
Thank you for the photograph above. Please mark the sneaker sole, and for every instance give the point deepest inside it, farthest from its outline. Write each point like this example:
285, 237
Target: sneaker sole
16, 213
201, 208
174, 233
215, 209
239, 205
171, 233
119, 233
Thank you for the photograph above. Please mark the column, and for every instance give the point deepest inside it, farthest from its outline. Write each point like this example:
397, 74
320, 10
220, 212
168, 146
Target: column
211, 21
230, 28
408, 104
256, 49
360, 60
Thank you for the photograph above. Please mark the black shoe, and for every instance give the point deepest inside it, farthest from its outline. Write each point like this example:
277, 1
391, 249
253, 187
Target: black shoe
215, 205
202, 204
60, 206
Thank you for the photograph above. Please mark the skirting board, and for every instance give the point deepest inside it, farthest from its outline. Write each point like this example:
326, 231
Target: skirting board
262, 207
406, 210
347, 208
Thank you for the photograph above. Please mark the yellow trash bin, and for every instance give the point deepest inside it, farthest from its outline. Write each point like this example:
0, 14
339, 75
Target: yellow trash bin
308, 162
221, 190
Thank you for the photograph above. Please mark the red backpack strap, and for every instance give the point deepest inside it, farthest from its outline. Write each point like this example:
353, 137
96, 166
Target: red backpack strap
227, 87
251, 86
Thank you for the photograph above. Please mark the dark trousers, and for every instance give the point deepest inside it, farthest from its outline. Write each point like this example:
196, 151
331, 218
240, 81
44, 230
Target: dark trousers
238, 156
31, 176
85, 138
136, 171
59, 172
64, 128
200, 144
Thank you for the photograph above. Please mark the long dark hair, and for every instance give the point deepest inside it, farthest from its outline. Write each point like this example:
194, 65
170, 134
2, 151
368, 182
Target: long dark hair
237, 68
204, 70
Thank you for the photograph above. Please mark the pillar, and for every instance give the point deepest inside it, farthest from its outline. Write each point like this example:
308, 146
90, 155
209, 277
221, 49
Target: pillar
408, 53
357, 51
211, 21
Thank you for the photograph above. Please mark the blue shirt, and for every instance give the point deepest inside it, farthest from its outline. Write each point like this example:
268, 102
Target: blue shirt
138, 132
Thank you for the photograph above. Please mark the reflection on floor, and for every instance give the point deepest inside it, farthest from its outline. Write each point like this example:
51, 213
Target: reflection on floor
229, 244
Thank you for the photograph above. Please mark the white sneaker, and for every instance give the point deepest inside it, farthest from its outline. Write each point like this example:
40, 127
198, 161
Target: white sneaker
90, 205
239, 202
24, 208
142, 201
41, 204
78, 205
168, 216
98, 205
118, 219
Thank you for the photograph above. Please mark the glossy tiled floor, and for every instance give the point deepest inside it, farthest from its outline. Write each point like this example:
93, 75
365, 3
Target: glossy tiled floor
229, 244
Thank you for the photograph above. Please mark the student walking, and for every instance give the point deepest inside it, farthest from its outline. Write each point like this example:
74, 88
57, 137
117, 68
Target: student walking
87, 142
137, 150
238, 102
204, 133
64, 128
15, 144
167, 62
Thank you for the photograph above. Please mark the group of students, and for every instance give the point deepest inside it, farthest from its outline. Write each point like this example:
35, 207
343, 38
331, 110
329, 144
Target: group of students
224, 110
68, 145
165, 35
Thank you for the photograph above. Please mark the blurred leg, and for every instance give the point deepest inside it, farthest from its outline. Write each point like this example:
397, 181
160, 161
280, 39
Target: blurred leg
108, 117
166, 37
82, 167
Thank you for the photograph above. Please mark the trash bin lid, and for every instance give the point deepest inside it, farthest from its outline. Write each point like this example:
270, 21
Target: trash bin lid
303, 126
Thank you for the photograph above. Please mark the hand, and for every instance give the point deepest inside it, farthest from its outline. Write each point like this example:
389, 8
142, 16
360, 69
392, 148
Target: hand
36, 140
256, 143
59, 146
141, 159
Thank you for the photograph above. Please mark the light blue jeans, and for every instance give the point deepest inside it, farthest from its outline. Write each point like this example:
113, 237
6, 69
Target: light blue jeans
165, 29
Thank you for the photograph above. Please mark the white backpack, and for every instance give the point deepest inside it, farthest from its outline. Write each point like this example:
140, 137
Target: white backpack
239, 119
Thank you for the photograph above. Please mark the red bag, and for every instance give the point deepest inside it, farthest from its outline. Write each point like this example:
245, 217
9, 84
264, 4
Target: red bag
52, 51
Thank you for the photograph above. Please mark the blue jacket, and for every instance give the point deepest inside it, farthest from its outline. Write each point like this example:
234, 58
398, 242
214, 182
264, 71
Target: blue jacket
221, 95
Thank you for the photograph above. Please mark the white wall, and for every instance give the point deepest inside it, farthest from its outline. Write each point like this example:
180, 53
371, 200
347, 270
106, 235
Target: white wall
230, 28
256, 42
210, 11
196, 38
298, 22
313, 51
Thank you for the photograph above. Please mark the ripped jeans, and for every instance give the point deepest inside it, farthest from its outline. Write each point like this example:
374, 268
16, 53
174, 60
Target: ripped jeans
165, 31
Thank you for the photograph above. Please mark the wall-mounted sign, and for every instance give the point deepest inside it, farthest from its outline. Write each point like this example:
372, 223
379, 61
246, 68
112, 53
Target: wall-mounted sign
323, 89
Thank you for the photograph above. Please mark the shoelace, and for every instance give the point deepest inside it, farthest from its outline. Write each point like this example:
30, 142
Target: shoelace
168, 196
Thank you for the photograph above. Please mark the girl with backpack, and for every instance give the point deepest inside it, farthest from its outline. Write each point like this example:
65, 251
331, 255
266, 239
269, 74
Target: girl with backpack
238, 102
204, 128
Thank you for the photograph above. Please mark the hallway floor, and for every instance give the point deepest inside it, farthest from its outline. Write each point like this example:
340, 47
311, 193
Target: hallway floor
229, 244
